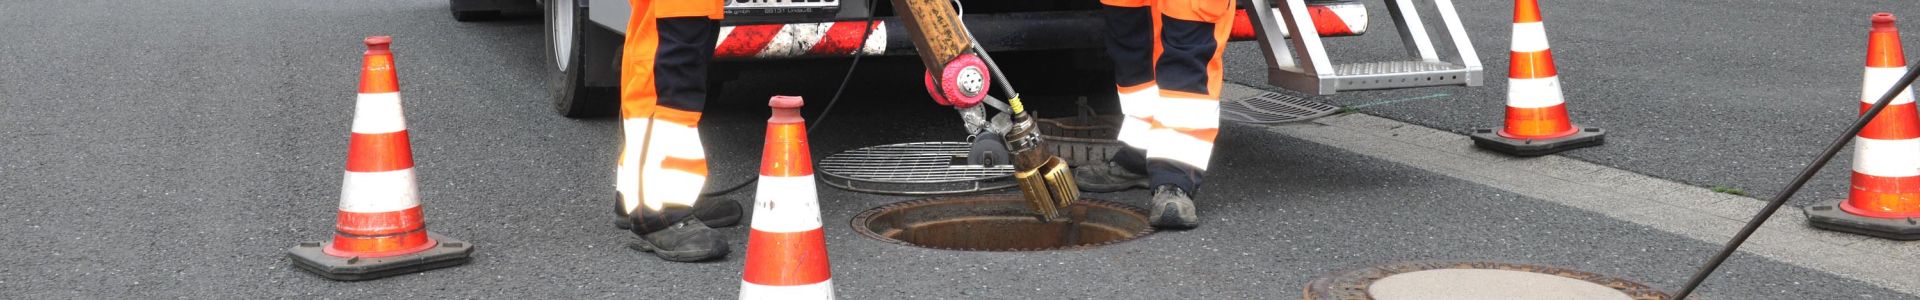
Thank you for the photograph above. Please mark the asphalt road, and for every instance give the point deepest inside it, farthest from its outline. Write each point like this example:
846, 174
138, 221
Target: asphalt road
1715, 93
175, 149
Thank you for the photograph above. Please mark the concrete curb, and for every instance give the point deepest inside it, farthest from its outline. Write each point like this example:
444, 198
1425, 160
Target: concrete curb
1679, 208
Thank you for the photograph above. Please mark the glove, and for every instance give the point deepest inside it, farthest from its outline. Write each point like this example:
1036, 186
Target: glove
989, 149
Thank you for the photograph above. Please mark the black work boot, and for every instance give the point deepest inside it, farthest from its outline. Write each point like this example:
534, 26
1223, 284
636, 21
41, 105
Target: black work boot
1172, 208
716, 212
686, 240
1108, 178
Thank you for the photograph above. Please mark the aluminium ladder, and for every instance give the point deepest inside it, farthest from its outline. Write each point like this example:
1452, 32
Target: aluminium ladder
1313, 72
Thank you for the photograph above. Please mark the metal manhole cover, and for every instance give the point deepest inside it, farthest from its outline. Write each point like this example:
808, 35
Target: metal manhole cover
1443, 280
930, 168
1273, 108
1000, 222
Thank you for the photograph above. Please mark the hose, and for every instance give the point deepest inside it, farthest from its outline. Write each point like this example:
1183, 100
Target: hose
1805, 175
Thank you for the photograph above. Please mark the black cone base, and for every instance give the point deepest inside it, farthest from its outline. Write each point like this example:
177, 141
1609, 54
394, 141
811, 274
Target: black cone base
1827, 215
447, 253
1491, 140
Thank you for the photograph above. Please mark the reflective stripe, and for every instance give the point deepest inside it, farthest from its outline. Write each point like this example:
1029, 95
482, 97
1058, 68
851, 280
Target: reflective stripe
379, 152
380, 113
1140, 102
1133, 131
794, 40
786, 204
822, 290
361, 224
1180, 147
1896, 122
661, 185
1184, 113
1878, 81
1886, 158
1883, 197
1529, 37
1534, 93
787, 258
374, 192
626, 172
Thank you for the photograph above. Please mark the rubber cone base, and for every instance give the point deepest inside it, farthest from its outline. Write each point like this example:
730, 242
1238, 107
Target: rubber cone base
1827, 215
449, 252
1491, 140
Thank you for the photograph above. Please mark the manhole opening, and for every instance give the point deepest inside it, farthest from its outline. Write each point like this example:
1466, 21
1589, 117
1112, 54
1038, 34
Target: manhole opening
1000, 222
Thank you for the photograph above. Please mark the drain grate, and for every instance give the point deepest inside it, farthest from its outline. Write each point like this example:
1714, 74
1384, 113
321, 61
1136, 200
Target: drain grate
930, 168
1273, 108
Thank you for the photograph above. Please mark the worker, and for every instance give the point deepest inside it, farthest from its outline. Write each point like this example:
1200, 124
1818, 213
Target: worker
662, 168
1167, 67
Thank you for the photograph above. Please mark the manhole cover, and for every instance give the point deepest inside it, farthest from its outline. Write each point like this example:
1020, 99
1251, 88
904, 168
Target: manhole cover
1446, 280
932, 168
1000, 223
1273, 108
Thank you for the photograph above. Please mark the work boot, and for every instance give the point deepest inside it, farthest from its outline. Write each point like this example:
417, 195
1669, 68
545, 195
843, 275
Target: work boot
686, 241
1108, 178
1172, 209
714, 211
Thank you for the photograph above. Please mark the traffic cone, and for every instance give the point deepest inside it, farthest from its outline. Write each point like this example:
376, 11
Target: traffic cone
1885, 198
380, 230
1537, 122
787, 250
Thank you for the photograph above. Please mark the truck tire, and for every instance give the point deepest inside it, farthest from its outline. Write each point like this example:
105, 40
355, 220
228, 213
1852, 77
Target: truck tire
567, 31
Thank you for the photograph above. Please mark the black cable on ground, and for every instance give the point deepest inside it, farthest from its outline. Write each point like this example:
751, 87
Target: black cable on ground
1805, 175
822, 117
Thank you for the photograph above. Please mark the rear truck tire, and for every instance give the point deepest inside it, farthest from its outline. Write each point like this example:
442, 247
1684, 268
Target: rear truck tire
567, 30
473, 10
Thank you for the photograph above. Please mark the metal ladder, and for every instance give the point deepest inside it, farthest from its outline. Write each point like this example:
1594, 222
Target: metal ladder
1315, 73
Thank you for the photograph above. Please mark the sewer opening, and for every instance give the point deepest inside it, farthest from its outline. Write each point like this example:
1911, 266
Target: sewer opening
1000, 223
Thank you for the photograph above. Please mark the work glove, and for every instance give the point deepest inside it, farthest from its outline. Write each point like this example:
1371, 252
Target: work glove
989, 149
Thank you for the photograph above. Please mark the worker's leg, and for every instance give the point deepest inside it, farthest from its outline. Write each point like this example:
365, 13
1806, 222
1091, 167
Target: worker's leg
1131, 43
662, 167
1186, 120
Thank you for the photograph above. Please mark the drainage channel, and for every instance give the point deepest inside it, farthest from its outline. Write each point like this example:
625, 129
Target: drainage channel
1000, 222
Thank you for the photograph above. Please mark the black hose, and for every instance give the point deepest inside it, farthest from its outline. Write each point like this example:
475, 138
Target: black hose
1805, 174
822, 117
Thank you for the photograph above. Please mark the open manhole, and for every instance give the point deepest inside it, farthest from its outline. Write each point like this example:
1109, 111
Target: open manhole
930, 168
1000, 222
1449, 280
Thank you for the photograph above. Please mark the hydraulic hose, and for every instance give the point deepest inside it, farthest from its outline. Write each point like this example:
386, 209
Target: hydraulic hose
1805, 175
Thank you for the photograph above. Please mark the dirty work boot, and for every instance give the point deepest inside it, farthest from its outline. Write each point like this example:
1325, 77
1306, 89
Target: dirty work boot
1108, 178
716, 212
686, 241
1172, 209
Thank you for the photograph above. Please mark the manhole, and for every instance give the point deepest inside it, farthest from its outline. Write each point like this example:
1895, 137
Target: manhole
1447, 280
931, 168
1274, 108
1000, 222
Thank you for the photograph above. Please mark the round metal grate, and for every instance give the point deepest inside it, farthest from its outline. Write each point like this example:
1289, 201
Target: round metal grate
930, 168
1273, 108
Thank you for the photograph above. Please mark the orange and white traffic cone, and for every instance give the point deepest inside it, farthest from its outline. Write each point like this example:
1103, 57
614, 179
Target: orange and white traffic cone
787, 250
1885, 197
381, 230
1537, 122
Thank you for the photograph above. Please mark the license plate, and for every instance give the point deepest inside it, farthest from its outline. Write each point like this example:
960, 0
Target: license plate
781, 6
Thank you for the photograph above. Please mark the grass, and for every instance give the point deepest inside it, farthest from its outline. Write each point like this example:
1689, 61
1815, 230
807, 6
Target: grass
1729, 190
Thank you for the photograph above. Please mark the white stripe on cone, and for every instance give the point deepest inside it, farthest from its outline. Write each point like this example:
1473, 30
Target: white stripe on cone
1534, 93
821, 290
1886, 158
786, 204
1879, 80
378, 113
378, 192
1529, 37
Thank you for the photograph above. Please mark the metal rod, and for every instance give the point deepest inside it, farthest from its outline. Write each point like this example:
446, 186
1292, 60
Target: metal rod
1805, 174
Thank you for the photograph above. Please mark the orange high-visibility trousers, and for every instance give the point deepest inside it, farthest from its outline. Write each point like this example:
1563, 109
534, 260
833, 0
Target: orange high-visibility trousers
663, 89
1168, 69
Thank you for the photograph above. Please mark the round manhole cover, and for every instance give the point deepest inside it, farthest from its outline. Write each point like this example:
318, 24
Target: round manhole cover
1000, 223
931, 168
1444, 280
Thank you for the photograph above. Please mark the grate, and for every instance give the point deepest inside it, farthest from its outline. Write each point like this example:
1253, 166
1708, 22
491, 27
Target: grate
929, 168
1273, 108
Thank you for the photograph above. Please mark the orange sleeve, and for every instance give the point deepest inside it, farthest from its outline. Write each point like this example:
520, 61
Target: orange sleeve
712, 9
1210, 11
